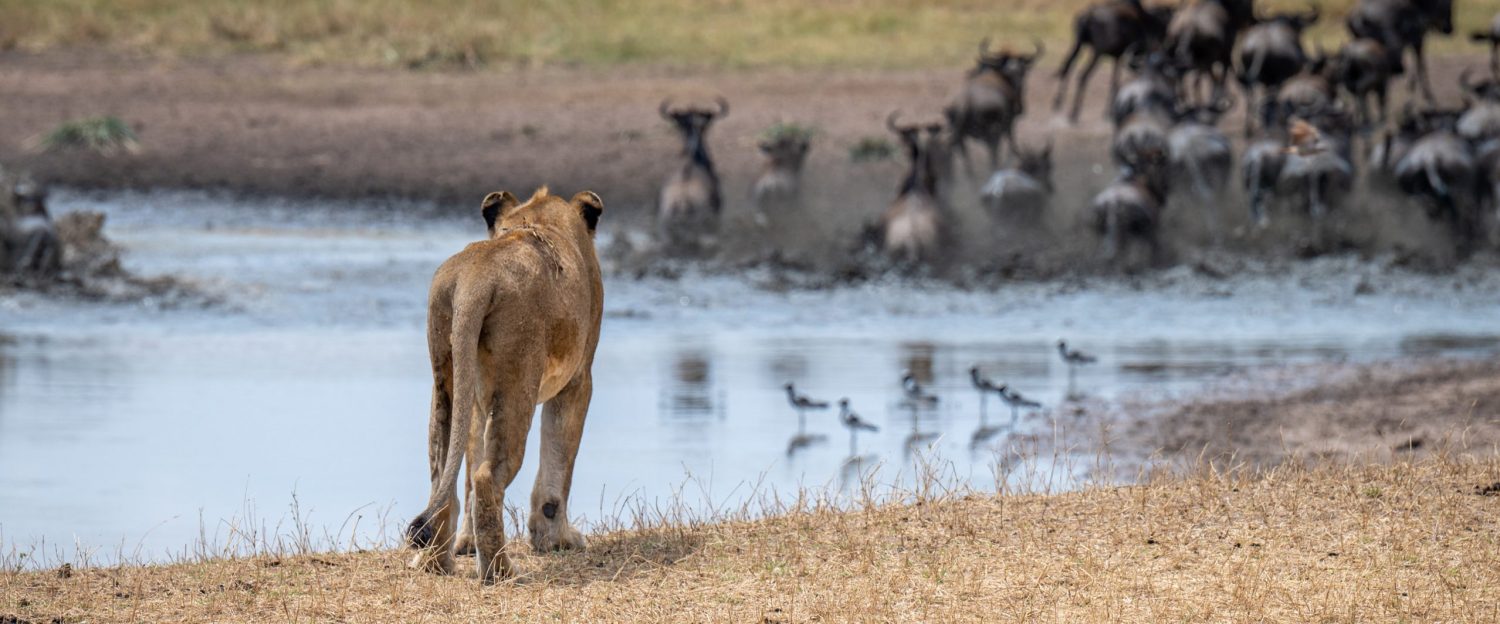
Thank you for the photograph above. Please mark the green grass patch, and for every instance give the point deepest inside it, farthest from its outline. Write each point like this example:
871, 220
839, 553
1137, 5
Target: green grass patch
105, 135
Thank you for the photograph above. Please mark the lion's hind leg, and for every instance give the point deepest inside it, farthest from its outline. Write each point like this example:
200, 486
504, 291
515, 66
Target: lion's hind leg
562, 429
507, 419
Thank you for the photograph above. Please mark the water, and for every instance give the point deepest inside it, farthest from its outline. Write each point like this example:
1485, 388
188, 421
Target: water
135, 430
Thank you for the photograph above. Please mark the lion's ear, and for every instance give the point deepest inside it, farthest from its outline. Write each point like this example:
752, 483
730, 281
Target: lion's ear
496, 204
590, 206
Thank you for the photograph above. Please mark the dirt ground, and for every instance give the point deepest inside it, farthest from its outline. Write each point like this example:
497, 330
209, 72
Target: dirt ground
1341, 412
258, 125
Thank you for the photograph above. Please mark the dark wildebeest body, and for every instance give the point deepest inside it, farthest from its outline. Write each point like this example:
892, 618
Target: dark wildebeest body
1440, 168
1200, 41
28, 238
992, 98
1480, 122
912, 227
688, 211
1270, 53
1153, 87
1361, 68
1130, 208
1201, 155
1019, 194
1318, 172
1114, 28
1402, 24
1260, 171
779, 187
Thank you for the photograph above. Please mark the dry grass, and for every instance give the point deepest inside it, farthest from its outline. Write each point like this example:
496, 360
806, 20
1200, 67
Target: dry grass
460, 33
1404, 542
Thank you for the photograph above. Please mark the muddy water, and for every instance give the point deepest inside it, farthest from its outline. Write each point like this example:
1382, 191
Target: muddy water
139, 430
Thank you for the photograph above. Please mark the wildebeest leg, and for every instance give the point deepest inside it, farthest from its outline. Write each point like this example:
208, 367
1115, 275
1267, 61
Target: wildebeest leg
1113, 233
961, 146
1421, 75
1062, 73
507, 410
1253, 107
1083, 81
1380, 101
562, 428
1114, 86
40, 254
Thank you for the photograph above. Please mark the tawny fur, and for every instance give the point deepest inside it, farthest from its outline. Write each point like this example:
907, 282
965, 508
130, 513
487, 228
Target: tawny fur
513, 321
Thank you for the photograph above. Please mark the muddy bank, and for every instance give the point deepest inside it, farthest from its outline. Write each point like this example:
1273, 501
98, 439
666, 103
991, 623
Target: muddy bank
1343, 412
259, 126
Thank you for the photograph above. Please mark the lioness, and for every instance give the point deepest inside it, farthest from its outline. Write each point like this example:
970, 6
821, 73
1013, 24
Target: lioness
511, 322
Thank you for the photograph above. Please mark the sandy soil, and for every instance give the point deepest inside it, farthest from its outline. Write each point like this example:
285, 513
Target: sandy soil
1416, 542
1347, 413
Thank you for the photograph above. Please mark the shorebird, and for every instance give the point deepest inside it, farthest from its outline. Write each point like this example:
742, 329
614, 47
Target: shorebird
985, 387
1016, 401
802, 403
1073, 358
854, 423
915, 393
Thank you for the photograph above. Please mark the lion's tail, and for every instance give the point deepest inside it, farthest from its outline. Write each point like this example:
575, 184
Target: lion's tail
463, 338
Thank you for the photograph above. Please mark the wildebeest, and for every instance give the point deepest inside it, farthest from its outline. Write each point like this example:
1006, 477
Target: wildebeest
1202, 156
1402, 24
1481, 121
1260, 171
1362, 68
1201, 37
1019, 194
912, 228
992, 97
1113, 28
1153, 87
28, 239
1144, 130
688, 212
1306, 95
1440, 168
1411, 125
1269, 54
1318, 172
1129, 209
779, 187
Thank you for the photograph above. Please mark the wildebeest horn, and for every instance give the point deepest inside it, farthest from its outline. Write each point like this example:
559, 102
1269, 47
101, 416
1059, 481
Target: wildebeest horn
723, 106
984, 47
890, 121
1463, 79
665, 108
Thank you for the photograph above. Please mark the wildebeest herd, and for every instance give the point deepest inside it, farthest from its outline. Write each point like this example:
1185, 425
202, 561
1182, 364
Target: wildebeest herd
1310, 132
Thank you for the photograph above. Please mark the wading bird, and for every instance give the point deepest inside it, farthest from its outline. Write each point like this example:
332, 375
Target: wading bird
915, 393
853, 422
802, 403
1073, 358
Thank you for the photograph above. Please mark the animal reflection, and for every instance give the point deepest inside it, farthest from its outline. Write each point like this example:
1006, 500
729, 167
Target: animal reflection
802, 403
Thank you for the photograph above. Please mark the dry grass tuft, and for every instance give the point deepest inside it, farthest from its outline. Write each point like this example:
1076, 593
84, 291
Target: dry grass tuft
1331, 543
